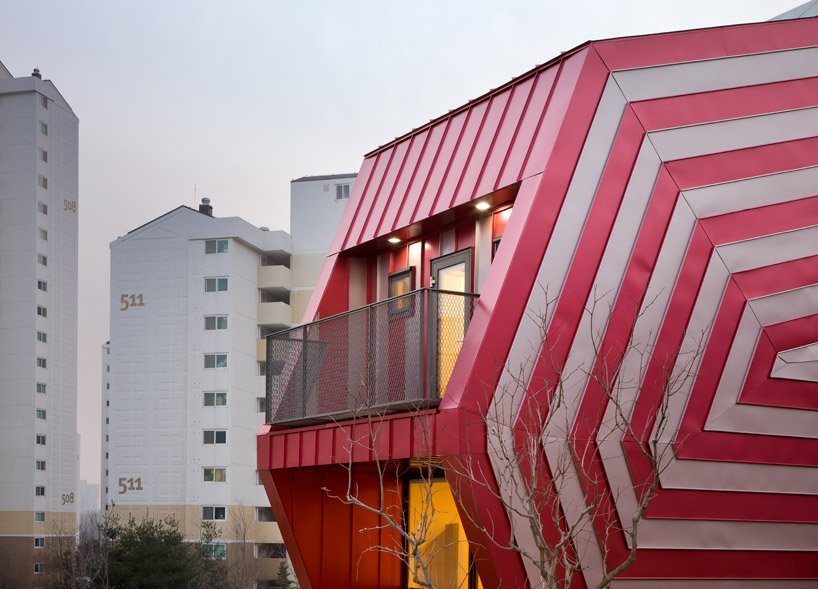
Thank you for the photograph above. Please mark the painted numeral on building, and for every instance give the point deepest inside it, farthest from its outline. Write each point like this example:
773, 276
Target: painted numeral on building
67, 498
129, 484
69, 205
126, 301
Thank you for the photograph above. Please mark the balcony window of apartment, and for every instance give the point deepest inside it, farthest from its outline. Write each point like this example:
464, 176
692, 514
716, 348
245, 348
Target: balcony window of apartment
41, 388
262, 368
270, 550
214, 512
42, 181
40, 413
42, 285
42, 100
213, 322
39, 542
264, 514
42, 337
41, 362
42, 154
215, 360
215, 284
216, 246
214, 436
39, 516
39, 439
39, 568
39, 491
42, 311
39, 465
341, 191
42, 207
42, 233
215, 399
42, 259
43, 128
213, 474
261, 404
216, 551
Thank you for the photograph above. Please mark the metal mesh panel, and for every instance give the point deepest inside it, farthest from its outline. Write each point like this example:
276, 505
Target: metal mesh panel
383, 356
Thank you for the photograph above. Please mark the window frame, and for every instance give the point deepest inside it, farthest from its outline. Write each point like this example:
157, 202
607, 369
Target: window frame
217, 282
216, 321
215, 395
214, 470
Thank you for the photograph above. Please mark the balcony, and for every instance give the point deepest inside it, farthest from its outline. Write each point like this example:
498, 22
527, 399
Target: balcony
274, 278
275, 313
393, 355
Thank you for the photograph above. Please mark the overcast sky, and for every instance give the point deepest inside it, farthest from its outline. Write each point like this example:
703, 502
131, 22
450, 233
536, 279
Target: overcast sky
239, 97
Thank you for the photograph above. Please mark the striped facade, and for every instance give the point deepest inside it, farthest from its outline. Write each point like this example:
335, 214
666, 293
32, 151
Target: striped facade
665, 223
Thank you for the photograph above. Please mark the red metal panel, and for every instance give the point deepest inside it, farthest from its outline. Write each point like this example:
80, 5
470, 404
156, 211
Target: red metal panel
424, 167
308, 448
693, 109
529, 123
482, 146
398, 258
439, 170
464, 236
651, 50
277, 447
326, 445
365, 562
367, 201
336, 532
292, 450
504, 137
402, 438
462, 155
385, 193
431, 250
403, 182
307, 517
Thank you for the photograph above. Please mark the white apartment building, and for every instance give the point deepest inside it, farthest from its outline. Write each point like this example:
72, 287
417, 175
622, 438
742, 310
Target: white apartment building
38, 324
316, 206
192, 296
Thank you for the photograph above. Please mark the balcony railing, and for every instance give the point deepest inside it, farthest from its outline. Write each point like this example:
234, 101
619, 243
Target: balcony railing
388, 356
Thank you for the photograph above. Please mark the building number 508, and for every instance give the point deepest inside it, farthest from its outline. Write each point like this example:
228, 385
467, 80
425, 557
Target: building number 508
129, 484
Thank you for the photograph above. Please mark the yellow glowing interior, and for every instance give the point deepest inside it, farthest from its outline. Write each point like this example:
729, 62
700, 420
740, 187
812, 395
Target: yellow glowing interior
451, 321
433, 516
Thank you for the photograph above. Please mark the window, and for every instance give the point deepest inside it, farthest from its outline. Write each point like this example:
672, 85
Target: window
41, 336
42, 259
258, 478
42, 100
42, 154
39, 568
107, 422
107, 386
41, 387
215, 322
216, 551
215, 360
341, 191
215, 399
42, 207
40, 413
213, 512
216, 246
214, 436
39, 491
42, 233
42, 285
39, 516
271, 550
41, 362
261, 404
42, 181
215, 284
39, 542
215, 475
107, 368
401, 283
39, 465
42, 311
43, 128
264, 514
39, 439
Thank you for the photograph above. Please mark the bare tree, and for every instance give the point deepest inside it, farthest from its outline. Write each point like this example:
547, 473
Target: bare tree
242, 566
546, 470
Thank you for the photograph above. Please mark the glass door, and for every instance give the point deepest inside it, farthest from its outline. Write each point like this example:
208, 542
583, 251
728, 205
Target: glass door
449, 314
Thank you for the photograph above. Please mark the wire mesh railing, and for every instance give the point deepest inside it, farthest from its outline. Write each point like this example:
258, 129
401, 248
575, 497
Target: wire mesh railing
389, 355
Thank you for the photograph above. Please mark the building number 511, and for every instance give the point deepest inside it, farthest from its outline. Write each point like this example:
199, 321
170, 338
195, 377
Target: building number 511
129, 484
127, 301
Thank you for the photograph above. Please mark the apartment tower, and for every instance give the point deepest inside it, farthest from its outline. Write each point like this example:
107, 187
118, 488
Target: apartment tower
38, 324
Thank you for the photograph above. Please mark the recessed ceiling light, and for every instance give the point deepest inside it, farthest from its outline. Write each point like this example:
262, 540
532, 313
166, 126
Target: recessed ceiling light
482, 206
394, 240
